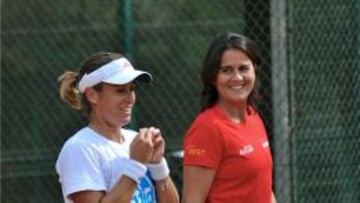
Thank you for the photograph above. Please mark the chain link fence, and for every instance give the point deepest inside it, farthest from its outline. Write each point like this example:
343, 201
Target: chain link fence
325, 121
309, 83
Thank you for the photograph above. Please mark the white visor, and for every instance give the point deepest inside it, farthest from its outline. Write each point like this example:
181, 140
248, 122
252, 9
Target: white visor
118, 72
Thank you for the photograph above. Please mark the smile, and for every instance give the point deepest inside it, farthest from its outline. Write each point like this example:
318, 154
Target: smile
237, 87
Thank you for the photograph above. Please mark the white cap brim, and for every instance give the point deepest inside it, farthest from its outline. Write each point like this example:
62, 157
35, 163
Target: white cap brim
129, 76
119, 72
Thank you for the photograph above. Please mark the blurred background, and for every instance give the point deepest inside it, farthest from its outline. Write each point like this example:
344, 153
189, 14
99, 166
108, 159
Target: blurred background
309, 82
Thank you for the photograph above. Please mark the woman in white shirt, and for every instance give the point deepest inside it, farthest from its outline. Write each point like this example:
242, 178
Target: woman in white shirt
103, 162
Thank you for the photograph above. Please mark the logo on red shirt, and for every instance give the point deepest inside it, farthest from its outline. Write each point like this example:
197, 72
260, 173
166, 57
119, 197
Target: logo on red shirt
265, 144
195, 151
247, 149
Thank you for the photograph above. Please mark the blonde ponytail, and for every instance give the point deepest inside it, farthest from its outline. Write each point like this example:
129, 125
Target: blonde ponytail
68, 89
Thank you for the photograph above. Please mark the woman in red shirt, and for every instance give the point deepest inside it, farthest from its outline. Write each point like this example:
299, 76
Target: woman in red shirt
227, 156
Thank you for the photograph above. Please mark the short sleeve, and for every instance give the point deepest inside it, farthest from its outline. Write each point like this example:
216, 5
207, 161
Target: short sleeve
79, 169
203, 146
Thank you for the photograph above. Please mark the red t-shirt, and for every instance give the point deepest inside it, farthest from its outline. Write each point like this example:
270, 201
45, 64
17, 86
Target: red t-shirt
239, 153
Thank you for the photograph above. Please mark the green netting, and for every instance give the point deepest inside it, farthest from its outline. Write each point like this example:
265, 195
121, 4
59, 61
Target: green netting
326, 78
316, 160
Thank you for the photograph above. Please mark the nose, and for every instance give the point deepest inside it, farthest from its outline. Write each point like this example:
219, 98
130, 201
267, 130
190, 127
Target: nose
130, 96
237, 75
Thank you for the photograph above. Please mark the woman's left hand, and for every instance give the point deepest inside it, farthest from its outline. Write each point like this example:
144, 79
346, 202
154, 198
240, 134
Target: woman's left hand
158, 145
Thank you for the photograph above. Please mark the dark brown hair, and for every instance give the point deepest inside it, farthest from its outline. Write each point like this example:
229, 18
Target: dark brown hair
212, 62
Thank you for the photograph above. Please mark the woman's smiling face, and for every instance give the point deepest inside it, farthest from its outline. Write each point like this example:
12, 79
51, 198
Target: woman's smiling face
236, 77
114, 104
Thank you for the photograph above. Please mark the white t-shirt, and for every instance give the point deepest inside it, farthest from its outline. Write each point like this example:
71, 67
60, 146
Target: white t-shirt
89, 161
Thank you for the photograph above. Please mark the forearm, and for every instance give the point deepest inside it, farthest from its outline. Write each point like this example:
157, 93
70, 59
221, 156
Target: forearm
122, 192
273, 199
124, 189
191, 200
192, 197
166, 191
197, 182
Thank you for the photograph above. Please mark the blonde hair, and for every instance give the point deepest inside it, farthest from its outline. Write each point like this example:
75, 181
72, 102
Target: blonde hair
68, 89
69, 79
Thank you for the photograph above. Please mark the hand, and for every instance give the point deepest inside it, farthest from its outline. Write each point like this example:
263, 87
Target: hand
141, 148
158, 146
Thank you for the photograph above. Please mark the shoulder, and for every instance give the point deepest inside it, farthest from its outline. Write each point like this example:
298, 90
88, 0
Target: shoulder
255, 118
209, 117
80, 162
84, 137
207, 127
84, 142
85, 149
209, 120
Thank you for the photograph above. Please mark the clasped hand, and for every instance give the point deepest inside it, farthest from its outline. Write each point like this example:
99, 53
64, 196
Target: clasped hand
148, 146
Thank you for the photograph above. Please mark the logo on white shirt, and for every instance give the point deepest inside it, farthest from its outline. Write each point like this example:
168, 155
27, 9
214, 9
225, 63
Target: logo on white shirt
247, 149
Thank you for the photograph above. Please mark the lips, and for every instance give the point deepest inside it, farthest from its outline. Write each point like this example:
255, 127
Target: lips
126, 111
237, 87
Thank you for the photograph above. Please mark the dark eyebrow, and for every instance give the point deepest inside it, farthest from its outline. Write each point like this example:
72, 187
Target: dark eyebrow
242, 65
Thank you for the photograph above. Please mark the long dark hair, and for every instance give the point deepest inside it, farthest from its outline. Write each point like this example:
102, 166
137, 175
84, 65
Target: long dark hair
212, 62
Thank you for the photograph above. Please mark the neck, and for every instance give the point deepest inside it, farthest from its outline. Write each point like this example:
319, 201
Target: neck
236, 112
105, 129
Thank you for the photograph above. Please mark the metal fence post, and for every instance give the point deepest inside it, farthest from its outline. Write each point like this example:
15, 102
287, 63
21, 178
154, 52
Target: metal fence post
127, 43
282, 148
128, 28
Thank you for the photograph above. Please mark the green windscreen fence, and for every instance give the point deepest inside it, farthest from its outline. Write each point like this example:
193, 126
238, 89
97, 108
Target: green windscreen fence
325, 76
318, 160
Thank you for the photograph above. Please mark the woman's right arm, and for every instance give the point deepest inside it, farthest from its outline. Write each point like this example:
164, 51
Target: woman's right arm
203, 152
126, 185
196, 183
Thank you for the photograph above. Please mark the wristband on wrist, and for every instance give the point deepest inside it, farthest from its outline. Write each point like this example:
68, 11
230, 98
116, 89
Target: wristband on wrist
134, 169
159, 171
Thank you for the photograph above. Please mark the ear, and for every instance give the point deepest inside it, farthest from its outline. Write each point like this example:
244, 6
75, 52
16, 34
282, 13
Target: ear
92, 95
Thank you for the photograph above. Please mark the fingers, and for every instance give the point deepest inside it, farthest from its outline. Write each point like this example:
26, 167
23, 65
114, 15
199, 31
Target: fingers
158, 145
149, 136
148, 145
141, 134
155, 131
156, 137
141, 148
158, 141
